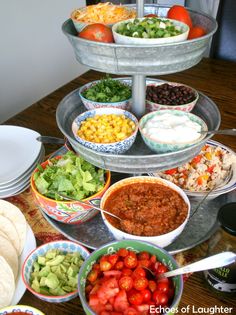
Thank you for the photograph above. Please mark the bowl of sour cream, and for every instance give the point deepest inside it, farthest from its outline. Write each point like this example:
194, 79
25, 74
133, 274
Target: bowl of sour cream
171, 130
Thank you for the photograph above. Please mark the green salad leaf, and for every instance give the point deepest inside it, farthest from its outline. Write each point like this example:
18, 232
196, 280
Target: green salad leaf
70, 175
108, 90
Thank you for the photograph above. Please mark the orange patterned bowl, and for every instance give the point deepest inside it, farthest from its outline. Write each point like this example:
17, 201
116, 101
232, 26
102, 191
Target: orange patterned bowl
70, 212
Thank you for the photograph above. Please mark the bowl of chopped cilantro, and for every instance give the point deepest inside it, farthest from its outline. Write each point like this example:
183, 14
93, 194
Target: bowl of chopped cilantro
73, 177
149, 31
107, 92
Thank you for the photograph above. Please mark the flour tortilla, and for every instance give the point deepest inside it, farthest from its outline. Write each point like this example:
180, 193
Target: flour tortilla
9, 229
7, 283
14, 214
7, 251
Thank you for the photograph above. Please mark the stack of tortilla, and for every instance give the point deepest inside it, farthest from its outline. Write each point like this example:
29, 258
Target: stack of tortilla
13, 228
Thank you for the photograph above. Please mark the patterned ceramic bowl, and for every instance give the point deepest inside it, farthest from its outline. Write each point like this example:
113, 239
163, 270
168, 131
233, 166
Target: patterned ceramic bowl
20, 308
137, 246
114, 147
126, 104
70, 212
151, 106
65, 247
162, 240
165, 146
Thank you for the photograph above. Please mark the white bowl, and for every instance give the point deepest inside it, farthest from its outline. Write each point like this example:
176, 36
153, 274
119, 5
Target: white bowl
122, 39
160, 240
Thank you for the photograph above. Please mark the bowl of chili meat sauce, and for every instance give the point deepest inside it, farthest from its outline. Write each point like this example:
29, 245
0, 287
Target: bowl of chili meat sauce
151, 209
20, 310
113, 280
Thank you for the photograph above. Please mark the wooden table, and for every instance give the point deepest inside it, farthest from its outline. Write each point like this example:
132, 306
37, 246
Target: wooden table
217, 80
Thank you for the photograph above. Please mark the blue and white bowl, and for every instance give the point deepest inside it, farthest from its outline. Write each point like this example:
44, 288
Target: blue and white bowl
64, 246
114, 147
89, 104
20, 308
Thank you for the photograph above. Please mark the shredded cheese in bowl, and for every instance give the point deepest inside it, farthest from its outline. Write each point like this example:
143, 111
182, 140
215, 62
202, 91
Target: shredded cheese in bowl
106, 13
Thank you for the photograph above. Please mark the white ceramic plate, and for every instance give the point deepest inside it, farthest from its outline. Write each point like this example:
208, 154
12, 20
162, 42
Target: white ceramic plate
30, 244
230, 185
19, 150
12, 187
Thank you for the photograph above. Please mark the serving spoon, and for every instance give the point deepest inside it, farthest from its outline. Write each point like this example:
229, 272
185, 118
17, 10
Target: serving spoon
231, 132
87, 204
215, 261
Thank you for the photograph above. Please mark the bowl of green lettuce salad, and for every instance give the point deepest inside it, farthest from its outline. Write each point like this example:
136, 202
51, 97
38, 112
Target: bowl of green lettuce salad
107, 92
73, 177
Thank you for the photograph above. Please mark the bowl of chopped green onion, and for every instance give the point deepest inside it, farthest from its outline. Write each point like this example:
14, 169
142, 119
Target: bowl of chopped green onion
107, 92
149, 31
51, 271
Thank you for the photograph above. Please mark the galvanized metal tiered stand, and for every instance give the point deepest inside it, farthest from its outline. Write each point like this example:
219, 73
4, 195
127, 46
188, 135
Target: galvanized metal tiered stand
138, 62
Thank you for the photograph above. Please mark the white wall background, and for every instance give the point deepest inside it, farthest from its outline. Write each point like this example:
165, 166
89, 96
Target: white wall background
35, 56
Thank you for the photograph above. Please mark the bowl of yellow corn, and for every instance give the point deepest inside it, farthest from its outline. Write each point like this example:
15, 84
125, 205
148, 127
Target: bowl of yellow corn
107, 130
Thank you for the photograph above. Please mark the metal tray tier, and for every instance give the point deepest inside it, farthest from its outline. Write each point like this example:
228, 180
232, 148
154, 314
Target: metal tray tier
139, 158
148, 59
200, 227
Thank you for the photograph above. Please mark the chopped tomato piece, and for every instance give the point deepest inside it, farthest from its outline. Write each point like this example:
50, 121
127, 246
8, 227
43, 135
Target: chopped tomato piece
121, 302
171, 171
105, 265
122, 252
92, 276
126, 283
95, 304
135, 297
130, 261
161, 268
143, 255
143, 309
139, 272
152, 285
140, 283
131, 311
146, 293
112, 273
127, 272
113, 259
144, 263
119, 265
197, 159
108, 289
160, 298
210, 169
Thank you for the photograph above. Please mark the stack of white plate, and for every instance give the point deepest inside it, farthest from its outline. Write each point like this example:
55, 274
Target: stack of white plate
20, 154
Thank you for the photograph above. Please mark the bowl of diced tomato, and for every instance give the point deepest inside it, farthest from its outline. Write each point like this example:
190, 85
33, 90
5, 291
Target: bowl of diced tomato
113, 280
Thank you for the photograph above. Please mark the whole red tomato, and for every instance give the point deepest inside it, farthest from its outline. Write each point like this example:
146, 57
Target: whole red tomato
196, 31
179, 13
97, 32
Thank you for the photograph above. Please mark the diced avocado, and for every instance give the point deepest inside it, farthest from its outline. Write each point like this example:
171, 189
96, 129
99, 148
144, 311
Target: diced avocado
36, 266
44, 271
41, 260
56, 273
52, 281
57, 291
56, 261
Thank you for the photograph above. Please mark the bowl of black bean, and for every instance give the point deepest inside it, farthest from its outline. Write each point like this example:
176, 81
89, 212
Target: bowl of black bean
170, 95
